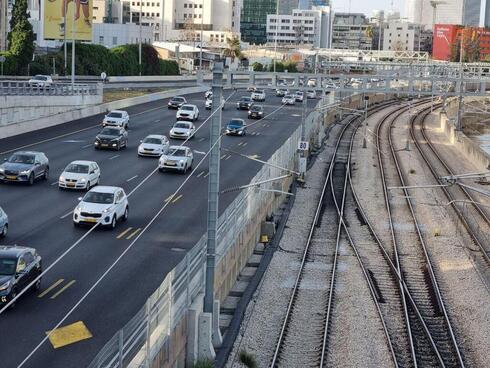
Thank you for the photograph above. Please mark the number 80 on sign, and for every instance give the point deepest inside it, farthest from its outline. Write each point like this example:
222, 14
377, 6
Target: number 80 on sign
303, 146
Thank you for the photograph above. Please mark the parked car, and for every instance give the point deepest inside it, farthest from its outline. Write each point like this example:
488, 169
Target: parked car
256, 112
311, 82
102, 204
208, 94
258, 95
245, 103
25, 166
153, 145
299, 96
209, 103
176, 102
19, 266
236, 127
311, 94
187, 112
178, 158
251, 88
111, 138
288, 100
117, 118
41, 81
280, 92
79, 175
4, 223
182, 130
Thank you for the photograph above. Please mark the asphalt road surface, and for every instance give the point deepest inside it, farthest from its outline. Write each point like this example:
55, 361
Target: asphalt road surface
40, 217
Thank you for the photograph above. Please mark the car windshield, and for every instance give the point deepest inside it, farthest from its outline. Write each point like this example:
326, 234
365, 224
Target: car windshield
177, 99
152, 140
177, 152
7, 266
288, 96
96, 197
236, 123
40, 77
256, 108
77, 168
182, 125
246, 99
187, 108
258, 91
18, 158
114, 115
110, 131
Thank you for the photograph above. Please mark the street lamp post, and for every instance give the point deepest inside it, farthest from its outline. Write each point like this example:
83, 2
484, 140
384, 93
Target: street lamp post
275, 38
201, 37
73, 34
140, 29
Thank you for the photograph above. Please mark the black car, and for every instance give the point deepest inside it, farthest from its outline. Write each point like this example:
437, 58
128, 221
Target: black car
256, 112
245, 103
19, 266
176, 102
236, 127
111, 138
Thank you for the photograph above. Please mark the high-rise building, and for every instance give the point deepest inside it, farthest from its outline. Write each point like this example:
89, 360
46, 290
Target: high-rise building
350, 31
307, 27
307, 4
253, 21
287, 6
402, 36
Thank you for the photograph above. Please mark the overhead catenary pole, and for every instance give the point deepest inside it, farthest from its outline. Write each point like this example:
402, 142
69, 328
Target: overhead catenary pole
213, 186
73, 35
275, 38
139, 45
201, 37
64, 34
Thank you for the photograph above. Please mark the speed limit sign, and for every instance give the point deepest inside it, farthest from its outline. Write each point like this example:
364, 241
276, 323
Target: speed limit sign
303, 145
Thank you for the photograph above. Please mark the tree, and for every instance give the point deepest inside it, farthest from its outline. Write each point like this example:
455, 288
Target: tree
257, 67
21, 37
233, 49
370, 34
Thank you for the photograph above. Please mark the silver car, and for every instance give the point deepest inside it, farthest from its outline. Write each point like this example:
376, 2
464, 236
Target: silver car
25, 166
178, 158
4, 223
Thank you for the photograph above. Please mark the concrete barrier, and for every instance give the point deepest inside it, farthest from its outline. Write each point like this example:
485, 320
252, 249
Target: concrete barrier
10, 130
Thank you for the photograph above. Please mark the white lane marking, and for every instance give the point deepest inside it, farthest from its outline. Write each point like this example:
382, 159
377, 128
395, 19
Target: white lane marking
74, 141
296, 115
54, 183
66, 215
87, 145
134, 177
202, 139
113, 157
157, 121
200, 152
257, 133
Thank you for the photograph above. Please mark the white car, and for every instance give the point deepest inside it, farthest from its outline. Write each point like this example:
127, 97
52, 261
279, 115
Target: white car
311, 82
41, 81
258, 95
288, 100
102, 204
208, 94
153, 145
118, 118
209, 103
299, 96
179, 158
310, 94
188, 112
182, 130
79, 175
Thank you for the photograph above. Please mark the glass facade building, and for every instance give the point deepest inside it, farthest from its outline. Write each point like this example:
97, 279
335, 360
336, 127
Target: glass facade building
253, 22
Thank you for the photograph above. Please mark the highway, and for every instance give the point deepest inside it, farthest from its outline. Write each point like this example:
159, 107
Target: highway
40, 217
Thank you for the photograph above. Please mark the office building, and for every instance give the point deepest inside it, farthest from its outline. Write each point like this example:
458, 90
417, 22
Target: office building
402, 36
253, 21
350, 31
308, 4
301, 27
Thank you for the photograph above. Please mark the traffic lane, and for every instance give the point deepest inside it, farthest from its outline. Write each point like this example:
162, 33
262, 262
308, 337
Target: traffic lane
145, 257
74, 126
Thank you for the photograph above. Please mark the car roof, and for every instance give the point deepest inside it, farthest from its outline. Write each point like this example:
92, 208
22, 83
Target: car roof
237, 119
191, 105
121, 111
159, 136
82, 162
104, 189
174, 148
13, 250
177, 97
28, 152
188, 123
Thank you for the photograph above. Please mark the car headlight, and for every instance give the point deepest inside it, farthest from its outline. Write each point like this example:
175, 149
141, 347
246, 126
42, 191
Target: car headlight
106, 210
83, 180
62, 178
2, 170
25, 172
78, 209
5, 286
181, 162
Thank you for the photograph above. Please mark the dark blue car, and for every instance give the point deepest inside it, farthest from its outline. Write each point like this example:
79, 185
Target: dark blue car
236, 127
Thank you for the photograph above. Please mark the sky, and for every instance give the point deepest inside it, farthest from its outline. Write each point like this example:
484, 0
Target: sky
367, 6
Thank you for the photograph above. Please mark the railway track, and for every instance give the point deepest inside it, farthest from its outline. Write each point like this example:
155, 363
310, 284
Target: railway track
472, 215
303, 339
429, 326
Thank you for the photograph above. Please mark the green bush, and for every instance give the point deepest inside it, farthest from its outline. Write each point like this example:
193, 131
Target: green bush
10, 64
248, 359
203, 364
257, 67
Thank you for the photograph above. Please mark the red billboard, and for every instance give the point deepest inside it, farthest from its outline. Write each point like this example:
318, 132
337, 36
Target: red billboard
444, 38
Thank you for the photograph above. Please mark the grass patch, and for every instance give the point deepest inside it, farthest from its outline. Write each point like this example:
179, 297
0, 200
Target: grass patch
248, 359
114, 95
203, 364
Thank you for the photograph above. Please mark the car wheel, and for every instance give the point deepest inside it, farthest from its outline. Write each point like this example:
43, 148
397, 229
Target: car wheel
37, 285
126, 214
31, 179
89, 185
244, 133
113, 223
46, 173
5, 231
161, 169
118, 147
76, 224
13, 294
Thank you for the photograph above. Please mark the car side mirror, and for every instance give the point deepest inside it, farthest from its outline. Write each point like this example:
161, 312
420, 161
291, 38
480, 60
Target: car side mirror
80, 198
37, 164
141, 141
92, 172
5, 159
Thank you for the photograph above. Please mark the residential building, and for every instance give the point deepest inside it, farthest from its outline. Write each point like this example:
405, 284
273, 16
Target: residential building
350, 31
104, 11
311, 27
402, 36
446, 41
113, 34
253, 22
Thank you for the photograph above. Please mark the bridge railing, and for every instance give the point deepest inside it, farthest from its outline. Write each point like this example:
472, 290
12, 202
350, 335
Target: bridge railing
23, 88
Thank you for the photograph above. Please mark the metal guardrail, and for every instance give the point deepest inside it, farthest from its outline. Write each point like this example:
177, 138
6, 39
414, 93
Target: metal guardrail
147, 333
22, 88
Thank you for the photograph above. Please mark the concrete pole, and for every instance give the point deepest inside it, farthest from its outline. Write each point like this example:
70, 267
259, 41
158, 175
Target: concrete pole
73, 34
275, 38
213, 187
202, 24
364, 139
139, 45
64, 35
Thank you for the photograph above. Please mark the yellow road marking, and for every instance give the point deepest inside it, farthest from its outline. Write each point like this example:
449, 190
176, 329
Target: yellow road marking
207, 174
223, 156
63, 289
169, 198
69, 334
254, 156
244, 144
240, 143
50, 288
177, 198
227, 157
123, 234
201, 174
134, 233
